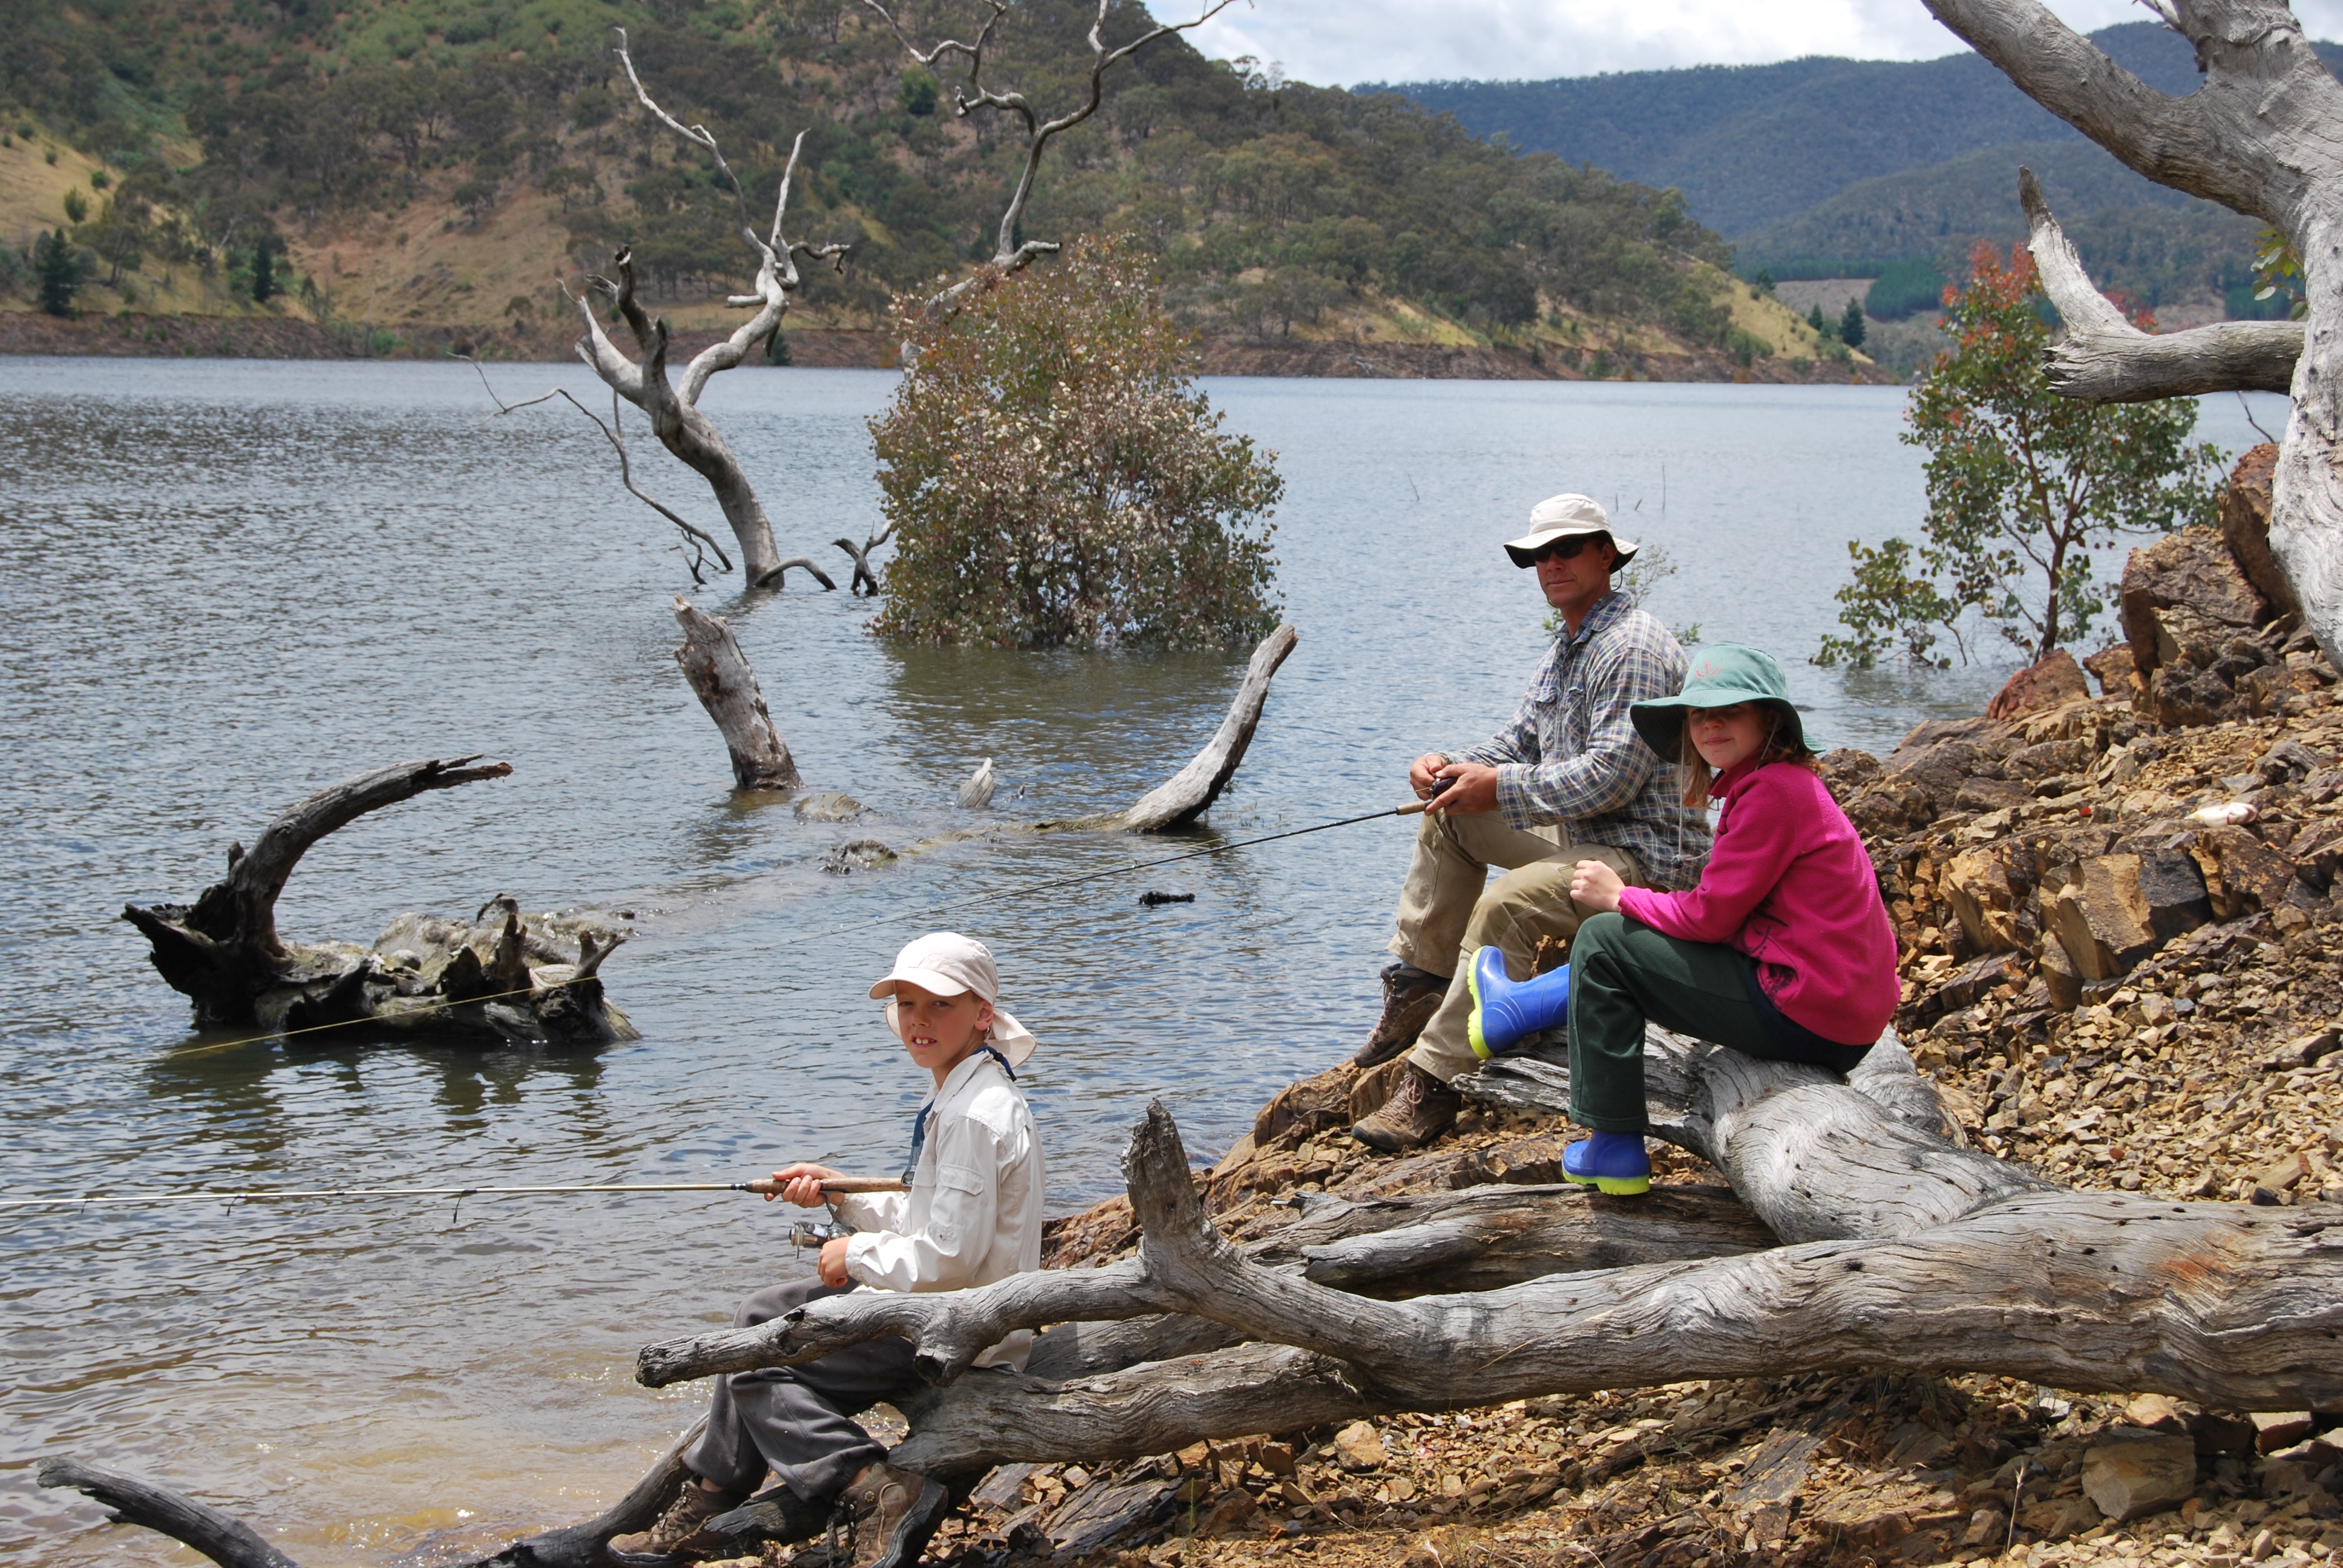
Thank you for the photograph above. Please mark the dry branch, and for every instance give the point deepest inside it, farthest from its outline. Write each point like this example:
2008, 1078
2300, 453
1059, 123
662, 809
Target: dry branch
726, 685
865, 579
234, 1545
2104, 358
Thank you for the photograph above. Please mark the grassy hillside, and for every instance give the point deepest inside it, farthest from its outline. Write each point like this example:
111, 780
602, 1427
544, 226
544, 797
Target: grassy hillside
1824, 163
441, 160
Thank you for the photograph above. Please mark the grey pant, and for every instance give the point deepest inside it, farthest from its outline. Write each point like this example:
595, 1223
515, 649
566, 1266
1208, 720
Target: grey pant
798, 1421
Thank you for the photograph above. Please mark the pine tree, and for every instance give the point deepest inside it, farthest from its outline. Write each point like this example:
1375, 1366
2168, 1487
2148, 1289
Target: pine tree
263, 271
1850, 325
59, 271
1815, 320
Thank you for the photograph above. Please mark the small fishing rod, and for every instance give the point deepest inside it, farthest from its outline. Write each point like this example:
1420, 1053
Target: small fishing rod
1413, 808
764, 1186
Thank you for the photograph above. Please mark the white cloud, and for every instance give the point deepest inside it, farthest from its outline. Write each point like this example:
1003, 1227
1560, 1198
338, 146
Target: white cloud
1341, 42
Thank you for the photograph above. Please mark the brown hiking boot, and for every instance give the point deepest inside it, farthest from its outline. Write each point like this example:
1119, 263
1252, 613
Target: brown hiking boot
1410, 996
894, 1513
681, 1533
1421, 1108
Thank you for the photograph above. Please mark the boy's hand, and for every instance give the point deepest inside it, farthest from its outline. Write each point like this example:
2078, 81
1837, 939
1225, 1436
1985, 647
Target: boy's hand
1594, 888
832, 1267
803, 1185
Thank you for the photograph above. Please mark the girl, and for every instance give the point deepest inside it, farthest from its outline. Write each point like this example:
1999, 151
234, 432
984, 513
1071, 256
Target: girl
1784, 950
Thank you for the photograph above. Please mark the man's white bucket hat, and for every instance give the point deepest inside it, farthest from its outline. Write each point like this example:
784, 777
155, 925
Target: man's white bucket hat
948, 963
1559, 518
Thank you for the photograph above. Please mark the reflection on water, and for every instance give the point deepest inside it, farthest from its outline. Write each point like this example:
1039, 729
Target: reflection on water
228, 584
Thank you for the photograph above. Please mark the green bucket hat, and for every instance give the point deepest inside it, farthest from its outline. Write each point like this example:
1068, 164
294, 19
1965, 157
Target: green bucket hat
1720, 677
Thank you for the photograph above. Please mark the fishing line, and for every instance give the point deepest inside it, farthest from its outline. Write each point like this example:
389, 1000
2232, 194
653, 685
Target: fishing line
1410, 809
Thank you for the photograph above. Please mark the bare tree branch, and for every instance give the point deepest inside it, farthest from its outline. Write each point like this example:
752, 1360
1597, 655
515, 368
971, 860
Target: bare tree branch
614, 433
2104, 358
865, 579
1009, 254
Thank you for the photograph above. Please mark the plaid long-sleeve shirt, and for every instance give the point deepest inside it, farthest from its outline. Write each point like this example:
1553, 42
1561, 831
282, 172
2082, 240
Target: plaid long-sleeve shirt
1572, 755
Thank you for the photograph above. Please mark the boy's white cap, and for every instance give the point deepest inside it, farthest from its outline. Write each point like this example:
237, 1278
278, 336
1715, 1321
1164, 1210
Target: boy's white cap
1560, 516
948, 963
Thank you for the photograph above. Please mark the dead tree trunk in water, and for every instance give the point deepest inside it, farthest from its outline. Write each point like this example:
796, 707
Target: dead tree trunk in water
2258, 137
674, 411
726, 685
422, 973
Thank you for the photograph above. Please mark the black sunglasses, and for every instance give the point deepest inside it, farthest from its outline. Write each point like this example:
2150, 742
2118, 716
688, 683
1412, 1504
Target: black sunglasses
1565, 550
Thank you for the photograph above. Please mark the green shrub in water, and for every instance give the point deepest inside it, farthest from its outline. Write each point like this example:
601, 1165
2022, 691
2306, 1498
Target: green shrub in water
1054, 478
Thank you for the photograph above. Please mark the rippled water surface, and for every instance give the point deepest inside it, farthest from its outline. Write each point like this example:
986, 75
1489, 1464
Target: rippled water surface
227, 583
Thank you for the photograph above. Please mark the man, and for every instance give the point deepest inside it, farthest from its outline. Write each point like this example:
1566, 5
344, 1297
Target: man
1569, 779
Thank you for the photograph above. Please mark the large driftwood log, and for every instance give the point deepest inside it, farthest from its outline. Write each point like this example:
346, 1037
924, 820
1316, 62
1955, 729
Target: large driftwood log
512, 975
726, 685
1934, 1257
2104, 358
2258, 137
674, 414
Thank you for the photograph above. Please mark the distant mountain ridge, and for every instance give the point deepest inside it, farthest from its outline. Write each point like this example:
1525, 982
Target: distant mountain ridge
1823, 156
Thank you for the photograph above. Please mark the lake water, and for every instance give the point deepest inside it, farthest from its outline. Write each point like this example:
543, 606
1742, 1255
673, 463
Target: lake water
227, 583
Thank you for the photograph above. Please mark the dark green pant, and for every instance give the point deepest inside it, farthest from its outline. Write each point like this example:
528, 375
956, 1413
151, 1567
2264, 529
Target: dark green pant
1622, 974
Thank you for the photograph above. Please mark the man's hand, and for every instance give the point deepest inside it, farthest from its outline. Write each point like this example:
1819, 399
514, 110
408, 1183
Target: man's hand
832, 1267
1594, 888
1462, 787
1422, 775
803, 1184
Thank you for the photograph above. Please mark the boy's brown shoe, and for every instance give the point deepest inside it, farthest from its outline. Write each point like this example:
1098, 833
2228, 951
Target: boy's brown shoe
1410, 996
681, 1534
1421, 1108
894, 1513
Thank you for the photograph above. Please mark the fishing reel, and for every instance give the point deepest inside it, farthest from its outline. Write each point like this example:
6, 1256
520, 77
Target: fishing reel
804, 1233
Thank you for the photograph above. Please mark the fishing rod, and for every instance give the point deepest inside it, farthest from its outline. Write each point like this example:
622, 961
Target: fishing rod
764, 1186
1413, 808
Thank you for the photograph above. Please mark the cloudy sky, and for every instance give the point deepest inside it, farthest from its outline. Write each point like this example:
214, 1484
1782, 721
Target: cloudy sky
1344, 42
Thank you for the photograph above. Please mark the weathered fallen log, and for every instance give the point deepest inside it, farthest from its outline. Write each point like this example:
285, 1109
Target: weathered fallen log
514, 976
726, 685
1936, 1259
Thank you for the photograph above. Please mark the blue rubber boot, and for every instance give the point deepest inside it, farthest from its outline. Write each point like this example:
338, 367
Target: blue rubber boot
1504, 1013
1612, 1162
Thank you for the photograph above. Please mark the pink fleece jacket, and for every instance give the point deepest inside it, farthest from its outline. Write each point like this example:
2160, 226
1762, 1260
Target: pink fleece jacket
1790, 884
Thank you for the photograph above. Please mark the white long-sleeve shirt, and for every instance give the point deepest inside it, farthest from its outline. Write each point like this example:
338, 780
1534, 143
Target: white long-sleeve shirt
973, 1213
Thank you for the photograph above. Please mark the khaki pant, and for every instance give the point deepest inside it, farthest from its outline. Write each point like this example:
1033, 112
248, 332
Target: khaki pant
1449, 907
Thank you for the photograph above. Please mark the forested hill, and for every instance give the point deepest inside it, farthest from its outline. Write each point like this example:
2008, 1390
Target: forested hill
437, 160
1841, 164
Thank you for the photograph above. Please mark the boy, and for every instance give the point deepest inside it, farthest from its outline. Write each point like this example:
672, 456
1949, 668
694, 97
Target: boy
972, 1215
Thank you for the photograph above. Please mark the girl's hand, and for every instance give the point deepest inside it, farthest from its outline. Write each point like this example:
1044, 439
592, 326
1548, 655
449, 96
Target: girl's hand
1595, 888
832, 1266
804, 1184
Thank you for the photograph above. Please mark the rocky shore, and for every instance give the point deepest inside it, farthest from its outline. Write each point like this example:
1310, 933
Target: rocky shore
2120, 968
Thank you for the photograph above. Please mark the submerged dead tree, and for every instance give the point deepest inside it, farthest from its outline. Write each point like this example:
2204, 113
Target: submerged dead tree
1859, 1236
2259, 138
726, 685
674, 411
502, 974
